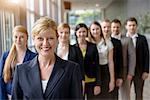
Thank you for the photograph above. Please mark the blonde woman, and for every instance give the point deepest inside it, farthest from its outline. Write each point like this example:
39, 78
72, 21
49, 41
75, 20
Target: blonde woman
47, 76
18, 54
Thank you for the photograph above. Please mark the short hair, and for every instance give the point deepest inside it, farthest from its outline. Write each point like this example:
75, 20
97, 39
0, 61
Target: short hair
116, 21
43, 24
63, 25
131, 19
106, 20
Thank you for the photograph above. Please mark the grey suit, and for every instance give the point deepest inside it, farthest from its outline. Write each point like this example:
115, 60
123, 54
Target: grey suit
129, 62
64, 83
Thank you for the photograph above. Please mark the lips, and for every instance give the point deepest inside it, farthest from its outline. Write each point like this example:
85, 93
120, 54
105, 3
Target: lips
46, 48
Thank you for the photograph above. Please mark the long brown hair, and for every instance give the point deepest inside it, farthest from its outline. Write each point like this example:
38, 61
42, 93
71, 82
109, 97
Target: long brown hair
12, 56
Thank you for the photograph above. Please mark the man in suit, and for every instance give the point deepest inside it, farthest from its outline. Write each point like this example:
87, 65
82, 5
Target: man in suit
142, 56
128, 58
117, 56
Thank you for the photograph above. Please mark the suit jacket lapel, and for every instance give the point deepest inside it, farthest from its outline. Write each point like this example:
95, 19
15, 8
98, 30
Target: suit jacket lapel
35, 78
57, 73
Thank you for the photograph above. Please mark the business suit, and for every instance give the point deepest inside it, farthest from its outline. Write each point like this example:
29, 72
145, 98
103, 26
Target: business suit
129, 60
118, 64
64, 82
91, 67
74, 55
5, 88
142, 64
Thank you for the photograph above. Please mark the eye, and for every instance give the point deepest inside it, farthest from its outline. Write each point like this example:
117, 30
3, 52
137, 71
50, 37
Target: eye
40, 38
22, 37
61, 32
51, 38
15, 37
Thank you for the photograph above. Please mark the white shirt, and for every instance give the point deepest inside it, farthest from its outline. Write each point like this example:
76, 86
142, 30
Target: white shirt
103, 51
117, 36
134, 38
44, 84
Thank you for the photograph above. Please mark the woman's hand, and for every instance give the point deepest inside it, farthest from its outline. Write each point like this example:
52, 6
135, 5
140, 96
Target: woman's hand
111, 86
97, 90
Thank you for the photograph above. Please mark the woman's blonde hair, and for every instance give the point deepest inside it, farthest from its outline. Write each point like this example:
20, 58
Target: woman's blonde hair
11, 58
63, 25
43, 24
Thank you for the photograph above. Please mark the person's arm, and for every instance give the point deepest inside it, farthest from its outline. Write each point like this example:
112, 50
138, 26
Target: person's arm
3, 93
97, 88
111, 70
146, 55
146, 59
17, 93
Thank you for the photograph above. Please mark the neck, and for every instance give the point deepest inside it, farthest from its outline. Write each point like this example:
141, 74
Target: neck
44, 61
97, 40
65, 44
81, 42
21, 50
131, 34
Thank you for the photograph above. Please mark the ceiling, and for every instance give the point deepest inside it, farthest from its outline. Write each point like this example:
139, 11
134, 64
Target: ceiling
89, 4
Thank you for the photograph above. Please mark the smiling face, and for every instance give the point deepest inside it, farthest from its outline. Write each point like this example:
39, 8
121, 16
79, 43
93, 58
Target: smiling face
20, 39
81, 33
95, 31
106, 28
63, 34
115, 28
45, 42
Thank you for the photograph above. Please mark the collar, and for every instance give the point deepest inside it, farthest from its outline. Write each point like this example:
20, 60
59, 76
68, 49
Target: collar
133, 36
116, 36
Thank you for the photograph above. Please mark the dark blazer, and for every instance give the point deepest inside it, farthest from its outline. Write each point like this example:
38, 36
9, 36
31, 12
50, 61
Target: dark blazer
74, 55
64, 83
118, 58
142, 56
91, 62
6, 88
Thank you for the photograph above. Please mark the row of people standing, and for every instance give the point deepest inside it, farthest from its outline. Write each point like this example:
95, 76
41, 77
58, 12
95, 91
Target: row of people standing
107, 61
119, 61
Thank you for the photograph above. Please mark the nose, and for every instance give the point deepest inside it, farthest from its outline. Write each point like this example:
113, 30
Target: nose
18, 39
45, 42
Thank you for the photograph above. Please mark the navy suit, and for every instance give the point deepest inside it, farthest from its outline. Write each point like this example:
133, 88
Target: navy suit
5, 88
64, 82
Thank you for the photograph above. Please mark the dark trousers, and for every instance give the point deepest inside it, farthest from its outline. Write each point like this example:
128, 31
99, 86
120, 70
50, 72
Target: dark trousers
138, 85
89, 91
115, 93
105, 78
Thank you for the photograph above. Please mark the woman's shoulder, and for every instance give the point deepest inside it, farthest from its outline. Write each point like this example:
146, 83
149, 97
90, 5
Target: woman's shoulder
5, 54
30, 54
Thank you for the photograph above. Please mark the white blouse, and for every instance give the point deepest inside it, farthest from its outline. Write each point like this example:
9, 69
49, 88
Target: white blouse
103, 50
44, 84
